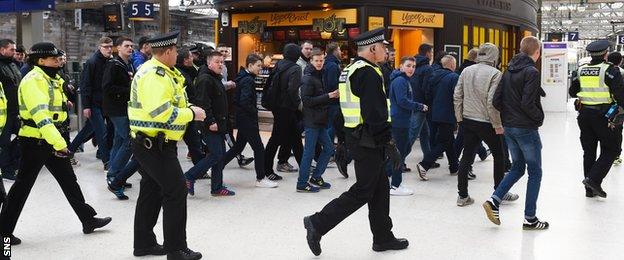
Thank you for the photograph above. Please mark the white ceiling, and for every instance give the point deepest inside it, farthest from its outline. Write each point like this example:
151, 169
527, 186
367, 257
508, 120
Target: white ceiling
593, 19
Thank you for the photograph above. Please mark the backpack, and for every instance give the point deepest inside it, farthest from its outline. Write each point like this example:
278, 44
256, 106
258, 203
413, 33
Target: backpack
271, 91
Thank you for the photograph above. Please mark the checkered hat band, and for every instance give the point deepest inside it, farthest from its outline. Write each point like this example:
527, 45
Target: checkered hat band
376, 39
164, 43
48, 52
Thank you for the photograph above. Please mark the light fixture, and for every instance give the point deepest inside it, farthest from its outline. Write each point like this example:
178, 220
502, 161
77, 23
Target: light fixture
325, 5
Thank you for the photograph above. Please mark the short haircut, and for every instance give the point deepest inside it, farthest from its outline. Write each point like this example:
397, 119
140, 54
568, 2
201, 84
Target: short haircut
447, 61
5, 42
252, 58
407, 58
161, 51
121, 40
20, 49
391, 49
331, 47
221, 45
306, 41
105, 40
424, 48
615, 58
438, 57
530, 45
472, 54
317, 52
213, 54
183, 54
143, 41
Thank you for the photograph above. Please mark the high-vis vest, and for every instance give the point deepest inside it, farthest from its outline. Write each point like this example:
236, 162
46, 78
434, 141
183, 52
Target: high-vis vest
3, 108
43, 103
158, 102
594, 91
350, 103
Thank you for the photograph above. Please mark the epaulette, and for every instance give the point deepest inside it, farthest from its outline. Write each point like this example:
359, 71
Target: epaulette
160, 71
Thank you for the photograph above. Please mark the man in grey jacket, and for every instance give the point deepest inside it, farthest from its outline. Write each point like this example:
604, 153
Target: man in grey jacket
473, 99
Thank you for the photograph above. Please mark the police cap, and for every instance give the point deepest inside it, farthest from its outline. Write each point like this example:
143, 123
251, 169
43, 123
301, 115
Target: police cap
165, 40
371, 37
598, 48
44, 50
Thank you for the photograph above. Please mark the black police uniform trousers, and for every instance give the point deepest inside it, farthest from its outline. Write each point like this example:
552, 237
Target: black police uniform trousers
162, 185
594, 129
371, 187
37, 153
474, 132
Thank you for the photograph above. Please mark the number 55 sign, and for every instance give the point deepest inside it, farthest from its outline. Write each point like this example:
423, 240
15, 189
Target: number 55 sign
140, 11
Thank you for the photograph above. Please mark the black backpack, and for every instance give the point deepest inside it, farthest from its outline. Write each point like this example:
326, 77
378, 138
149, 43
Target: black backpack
271, 91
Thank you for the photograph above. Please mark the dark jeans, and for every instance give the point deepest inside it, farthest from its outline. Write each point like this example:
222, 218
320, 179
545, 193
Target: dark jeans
95, 124
126, 172
443, 142
401, 138
419, 129
9, 150
474, 133
193, 142
314, 137
248, 132
285, 134
162, 185
332, 112
594, 130
214, 161
37, 153
120, 151
525, 147
371, 187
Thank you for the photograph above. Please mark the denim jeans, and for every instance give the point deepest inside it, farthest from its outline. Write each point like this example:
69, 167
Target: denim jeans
94, 124
120, 151
525, 147
401, 138
214, 161
312, 137
332, 113
9, 153
419, 128
124, 174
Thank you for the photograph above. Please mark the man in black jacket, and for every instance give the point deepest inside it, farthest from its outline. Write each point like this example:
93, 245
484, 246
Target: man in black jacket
91, 92
116, 82
184, 64
210, 95
10, 78
518, 100
286, 77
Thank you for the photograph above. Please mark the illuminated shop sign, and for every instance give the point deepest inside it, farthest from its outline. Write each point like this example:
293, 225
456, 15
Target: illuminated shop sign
417, 19
321, 21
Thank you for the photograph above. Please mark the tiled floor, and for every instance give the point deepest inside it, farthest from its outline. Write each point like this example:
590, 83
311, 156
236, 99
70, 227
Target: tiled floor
267, 223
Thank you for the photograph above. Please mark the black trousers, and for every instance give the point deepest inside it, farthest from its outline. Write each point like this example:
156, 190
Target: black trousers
193, 142
594, 129
2, 193
36, 153
162, 185
248, 133
443, 143
474, 133
371, 187
286, 134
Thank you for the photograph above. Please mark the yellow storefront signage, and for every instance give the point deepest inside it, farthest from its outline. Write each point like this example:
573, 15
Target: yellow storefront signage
417, 19
298, 18
375, 22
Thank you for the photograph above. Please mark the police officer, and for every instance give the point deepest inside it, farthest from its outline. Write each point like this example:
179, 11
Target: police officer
42, 108
3, 118
598, 86
365, 109
158, 112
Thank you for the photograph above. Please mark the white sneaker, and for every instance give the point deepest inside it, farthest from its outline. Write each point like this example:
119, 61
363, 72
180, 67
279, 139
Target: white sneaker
266, 183
400, 191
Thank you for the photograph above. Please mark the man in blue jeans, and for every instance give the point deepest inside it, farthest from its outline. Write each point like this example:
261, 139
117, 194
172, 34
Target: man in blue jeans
518, 99
331, 73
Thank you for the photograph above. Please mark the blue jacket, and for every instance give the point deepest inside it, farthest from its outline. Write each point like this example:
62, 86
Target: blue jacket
443, 83
331, 73
402, 103
423, 69
91, 80
138, 58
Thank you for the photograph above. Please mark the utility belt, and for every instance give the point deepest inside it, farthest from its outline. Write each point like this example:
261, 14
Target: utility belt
33, 141
361, 136
60, 126
158, 142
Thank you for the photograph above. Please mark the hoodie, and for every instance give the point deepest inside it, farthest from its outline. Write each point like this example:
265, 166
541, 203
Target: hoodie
474, 93
443, 82
245, 97
518, 94
423, 69
402, 103
288, 76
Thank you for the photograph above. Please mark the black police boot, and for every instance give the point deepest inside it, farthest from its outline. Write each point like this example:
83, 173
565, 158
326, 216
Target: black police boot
184, 254
396, 244
155, 250
589, 193
595, 188
89, 226
313, 237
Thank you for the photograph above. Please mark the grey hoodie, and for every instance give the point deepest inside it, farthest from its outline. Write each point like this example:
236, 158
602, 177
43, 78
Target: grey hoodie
476, 86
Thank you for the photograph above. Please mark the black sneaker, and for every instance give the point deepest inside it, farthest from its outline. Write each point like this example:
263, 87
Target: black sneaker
405, 168
155, 250
242, 162
89, 226
313, 237
471, 175
396, 244
118, 191
184, 254
274, 177
595, 188
589, 194
434, 165
535, 225
127, 185
9, 175
320, 183
308, 188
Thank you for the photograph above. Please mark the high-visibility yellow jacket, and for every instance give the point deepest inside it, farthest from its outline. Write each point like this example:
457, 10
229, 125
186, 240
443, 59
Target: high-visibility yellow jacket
158, 102
3, 108
42, 103
349, 103
594, 90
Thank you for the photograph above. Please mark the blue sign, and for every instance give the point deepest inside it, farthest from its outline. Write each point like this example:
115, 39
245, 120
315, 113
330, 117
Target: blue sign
620, 39
16, 6
573, 36
140, 11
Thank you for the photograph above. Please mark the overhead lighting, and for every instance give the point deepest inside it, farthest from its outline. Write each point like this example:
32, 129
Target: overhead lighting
325, 5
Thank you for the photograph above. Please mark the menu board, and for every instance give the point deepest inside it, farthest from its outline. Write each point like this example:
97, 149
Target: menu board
555, 76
